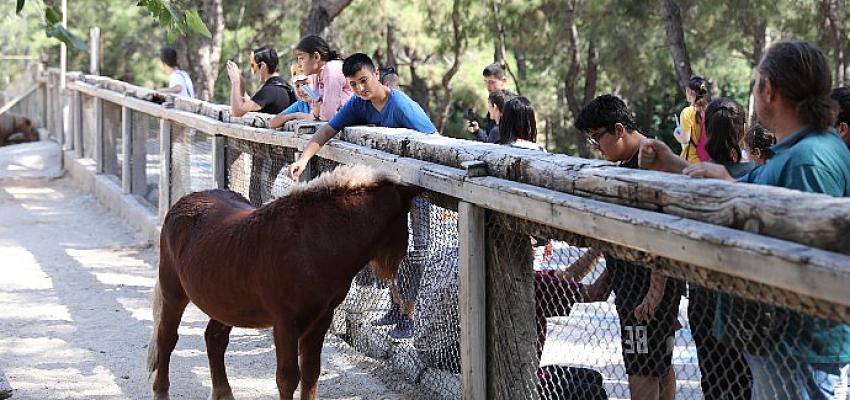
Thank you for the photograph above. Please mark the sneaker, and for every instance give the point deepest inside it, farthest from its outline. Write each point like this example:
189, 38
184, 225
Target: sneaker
403, 329
392, 317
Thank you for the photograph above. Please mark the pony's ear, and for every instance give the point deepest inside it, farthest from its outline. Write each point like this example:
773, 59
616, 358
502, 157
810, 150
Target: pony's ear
408, 192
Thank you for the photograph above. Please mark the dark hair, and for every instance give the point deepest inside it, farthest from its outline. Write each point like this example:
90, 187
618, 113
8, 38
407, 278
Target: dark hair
267, 55
724, 122
841, 95
518, 121
356, 62
168, 56
495, 70
702, 94
761, 139
799, 71
389, 76
603, 112
499, 98
315, 44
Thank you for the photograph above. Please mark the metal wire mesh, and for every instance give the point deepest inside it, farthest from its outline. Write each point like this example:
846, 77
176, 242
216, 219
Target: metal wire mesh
88, 126
604, 330
145, 157
113, 151
257, 170
191, 161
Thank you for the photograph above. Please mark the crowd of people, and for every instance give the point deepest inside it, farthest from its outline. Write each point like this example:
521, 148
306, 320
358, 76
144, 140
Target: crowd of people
799, 139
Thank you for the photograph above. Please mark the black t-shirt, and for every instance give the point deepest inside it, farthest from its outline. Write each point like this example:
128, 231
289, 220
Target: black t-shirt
273, 97
629, 281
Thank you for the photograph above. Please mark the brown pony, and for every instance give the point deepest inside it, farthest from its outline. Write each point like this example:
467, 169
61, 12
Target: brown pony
11, 123
285, 265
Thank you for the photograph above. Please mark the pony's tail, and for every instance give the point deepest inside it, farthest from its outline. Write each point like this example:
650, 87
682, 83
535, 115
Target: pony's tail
153, 347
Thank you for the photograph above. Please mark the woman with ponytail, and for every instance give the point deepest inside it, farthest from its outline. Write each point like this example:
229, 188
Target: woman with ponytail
692, 121
324, 65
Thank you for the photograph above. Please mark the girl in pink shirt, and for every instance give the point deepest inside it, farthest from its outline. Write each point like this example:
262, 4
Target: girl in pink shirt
324, 66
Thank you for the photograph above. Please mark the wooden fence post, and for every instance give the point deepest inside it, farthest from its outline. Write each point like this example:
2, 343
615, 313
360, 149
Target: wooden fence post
218, 162
164, 167
473, 322
127, 149
98, 134
139, 183
77, 123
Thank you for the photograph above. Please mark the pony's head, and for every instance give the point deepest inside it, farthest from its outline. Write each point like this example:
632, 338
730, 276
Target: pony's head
27, 128
388, 202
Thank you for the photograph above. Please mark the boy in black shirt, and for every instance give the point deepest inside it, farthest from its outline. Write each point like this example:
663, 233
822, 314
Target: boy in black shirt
275, 95
647, 302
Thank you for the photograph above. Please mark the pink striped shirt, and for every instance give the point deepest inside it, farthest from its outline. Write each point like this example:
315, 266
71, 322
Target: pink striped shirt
332, 86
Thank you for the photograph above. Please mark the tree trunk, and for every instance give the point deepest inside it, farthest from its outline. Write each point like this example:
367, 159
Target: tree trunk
320, 16
418, 88
457, 52
499, 54
676, 41
391, 45
572, 75
208, 51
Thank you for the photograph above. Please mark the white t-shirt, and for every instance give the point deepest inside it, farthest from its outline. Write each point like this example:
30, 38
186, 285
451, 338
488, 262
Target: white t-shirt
180, 77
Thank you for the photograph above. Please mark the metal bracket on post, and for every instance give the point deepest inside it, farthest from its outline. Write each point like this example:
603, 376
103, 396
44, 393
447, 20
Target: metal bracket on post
98, 135
164, 167
473, 308
126, 149
218, 164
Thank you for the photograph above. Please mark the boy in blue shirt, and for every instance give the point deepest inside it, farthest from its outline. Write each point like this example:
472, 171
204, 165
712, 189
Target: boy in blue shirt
374, 104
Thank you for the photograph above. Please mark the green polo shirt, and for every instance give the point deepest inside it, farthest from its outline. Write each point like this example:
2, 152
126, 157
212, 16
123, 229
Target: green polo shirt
816, 162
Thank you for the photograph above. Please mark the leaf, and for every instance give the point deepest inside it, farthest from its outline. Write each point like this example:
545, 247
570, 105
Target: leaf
60, 33
52, 15
19, 6
193, 20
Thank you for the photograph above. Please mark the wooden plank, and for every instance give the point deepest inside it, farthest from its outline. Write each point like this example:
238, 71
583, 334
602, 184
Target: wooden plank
165, 167
127, 149
472, 307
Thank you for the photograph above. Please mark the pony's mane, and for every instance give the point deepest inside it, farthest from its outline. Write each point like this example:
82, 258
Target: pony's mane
344, 178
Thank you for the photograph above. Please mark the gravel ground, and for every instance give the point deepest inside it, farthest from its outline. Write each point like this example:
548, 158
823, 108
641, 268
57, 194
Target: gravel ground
75, 315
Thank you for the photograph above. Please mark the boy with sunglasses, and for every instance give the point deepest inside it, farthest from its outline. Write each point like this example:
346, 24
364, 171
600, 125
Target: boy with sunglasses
275, 95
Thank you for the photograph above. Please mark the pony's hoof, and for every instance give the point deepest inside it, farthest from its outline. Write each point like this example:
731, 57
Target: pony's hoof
161, 396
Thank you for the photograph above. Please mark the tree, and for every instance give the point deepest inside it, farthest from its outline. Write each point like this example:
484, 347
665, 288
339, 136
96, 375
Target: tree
676, 41
203, 54
321, 15
571, 76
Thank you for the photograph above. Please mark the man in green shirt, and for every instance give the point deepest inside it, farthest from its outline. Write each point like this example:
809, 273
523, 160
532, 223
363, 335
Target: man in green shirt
792, 99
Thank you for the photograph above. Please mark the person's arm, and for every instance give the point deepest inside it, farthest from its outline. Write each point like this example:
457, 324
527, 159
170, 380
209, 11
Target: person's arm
171, 89
239, 105
325, 133
599, 290
581, 267
645, 311
281, 119
655, 155
686, 121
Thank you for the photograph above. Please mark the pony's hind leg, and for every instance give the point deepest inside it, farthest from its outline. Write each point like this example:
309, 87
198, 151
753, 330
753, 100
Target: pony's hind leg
217, 337
310, 346
286, 349
168, 309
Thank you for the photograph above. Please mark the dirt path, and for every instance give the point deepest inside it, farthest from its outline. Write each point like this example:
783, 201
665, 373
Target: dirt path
75, 317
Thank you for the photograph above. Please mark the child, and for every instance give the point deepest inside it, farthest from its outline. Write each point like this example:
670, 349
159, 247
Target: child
759, 141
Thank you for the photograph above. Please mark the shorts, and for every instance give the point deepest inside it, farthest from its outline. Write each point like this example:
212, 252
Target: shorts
648, 347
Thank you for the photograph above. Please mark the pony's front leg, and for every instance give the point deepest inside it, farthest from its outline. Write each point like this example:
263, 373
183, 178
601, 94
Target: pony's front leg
217, 337
310, 345
286, 349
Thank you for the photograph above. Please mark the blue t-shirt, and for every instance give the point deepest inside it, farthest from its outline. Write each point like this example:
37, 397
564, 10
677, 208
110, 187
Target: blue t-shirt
299, 106
815, 162
400, 111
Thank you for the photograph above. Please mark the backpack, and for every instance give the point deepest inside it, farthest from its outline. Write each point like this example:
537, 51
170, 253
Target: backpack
702, 153
288, 88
